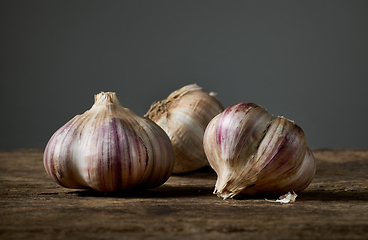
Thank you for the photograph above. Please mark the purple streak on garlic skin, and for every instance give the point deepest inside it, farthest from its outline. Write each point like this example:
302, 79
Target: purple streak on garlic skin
163, 165
238, 135
115, 144
61, 168
281, 160
227, 114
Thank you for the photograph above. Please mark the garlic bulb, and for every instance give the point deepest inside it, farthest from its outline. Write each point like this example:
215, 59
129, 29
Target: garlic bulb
253, 152
109, 148
184, 116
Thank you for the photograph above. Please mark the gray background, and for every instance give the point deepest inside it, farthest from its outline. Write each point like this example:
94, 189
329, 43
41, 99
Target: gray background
305, 60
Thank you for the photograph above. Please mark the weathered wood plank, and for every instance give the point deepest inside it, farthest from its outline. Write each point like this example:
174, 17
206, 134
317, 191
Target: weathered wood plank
32, 206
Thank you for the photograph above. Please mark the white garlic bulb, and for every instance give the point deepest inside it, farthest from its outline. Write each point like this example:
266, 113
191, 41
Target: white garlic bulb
109, 148
184, 116
253, 152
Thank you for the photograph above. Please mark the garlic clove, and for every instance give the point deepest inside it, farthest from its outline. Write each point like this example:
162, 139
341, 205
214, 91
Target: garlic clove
253, 152
184, 116
109, 148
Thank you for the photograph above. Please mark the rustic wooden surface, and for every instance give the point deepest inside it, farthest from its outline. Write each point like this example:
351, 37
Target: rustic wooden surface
32, 206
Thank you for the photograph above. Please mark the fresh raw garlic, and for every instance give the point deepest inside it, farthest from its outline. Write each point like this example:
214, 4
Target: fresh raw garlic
109, 148
184, 116
253, 152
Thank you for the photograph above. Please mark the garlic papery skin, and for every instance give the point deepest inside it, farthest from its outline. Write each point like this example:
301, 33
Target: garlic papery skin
109, 148
184, 116
253, 152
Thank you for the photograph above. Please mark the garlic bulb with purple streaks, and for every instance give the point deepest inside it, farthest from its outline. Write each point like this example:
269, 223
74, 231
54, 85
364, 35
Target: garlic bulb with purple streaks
184, 116
109, 148
253, 152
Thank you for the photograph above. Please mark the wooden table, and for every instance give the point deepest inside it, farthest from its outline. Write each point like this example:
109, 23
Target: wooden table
32, 206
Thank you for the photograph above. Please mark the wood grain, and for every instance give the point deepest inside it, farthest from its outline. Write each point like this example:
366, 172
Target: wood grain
32, 206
